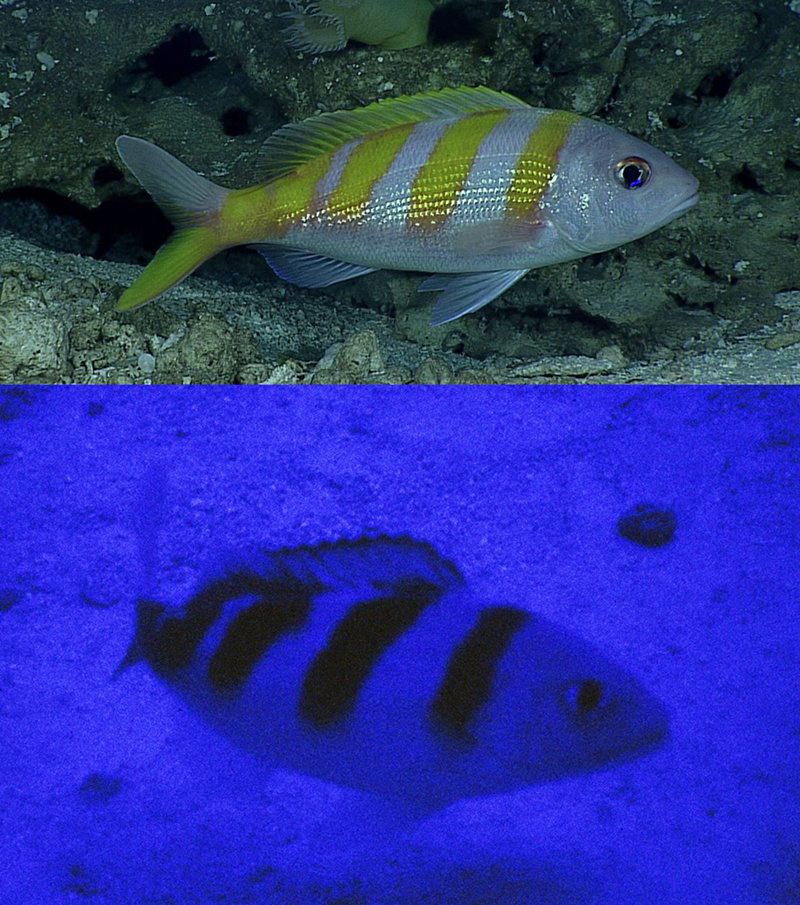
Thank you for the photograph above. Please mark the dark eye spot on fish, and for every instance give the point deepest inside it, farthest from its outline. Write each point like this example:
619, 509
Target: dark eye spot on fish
584, 699
339, 671
632, 172
648, 525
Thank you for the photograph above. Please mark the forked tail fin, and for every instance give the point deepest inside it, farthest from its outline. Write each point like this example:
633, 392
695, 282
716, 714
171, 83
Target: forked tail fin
192, 202
148, 618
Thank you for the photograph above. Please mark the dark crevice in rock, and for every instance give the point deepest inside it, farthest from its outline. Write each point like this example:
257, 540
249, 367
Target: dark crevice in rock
120, 229
745, 181
237, 121
178, 58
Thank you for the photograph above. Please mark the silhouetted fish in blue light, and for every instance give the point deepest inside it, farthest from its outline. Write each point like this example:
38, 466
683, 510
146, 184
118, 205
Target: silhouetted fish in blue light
369, 664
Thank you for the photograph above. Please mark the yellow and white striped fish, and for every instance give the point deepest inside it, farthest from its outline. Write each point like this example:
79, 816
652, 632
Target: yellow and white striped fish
472, 185
368, 663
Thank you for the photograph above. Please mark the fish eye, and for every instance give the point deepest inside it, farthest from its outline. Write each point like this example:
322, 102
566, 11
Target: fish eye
583, 698
632, 172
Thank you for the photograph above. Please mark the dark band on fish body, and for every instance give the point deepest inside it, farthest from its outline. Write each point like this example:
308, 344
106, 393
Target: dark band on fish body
282, 606
173, 644
337, 674
177, 638
468, 679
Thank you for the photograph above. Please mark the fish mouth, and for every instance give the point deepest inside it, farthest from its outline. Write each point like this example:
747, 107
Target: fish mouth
687, 203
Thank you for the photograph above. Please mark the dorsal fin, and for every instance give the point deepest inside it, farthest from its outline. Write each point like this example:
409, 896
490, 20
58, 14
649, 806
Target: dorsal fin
297, 143
378, 562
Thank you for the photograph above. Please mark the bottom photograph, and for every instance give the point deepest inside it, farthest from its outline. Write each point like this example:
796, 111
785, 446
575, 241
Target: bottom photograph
383, 645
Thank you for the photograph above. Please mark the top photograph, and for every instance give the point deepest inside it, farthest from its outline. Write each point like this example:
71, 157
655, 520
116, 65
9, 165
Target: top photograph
399, 192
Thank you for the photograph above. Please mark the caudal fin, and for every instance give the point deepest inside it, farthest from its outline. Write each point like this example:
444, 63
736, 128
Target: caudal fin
148, 619
192, 202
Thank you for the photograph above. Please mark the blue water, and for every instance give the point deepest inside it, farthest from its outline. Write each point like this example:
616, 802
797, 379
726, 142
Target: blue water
111, 792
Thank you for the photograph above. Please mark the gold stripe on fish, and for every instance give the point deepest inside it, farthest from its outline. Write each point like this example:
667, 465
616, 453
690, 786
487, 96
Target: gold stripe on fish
369, 161
292, 196
440, 179
537, 163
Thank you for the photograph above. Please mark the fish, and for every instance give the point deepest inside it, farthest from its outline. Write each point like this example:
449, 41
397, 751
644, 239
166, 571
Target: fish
471, 185
368, 663
329, 24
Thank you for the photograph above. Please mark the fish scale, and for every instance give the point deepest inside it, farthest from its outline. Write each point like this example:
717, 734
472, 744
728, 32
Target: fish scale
470, 184
369, 663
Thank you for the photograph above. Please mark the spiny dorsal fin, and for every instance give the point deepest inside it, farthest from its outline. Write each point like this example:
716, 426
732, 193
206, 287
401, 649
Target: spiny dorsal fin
380, 561
297, 143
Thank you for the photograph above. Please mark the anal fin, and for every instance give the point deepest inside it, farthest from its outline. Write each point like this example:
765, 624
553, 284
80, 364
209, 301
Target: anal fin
466, 292
303, 268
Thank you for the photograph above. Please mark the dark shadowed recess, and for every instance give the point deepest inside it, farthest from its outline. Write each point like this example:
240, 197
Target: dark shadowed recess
472, 21
130, 227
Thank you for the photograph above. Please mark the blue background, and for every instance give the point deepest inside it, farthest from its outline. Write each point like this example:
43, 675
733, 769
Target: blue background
113, 792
